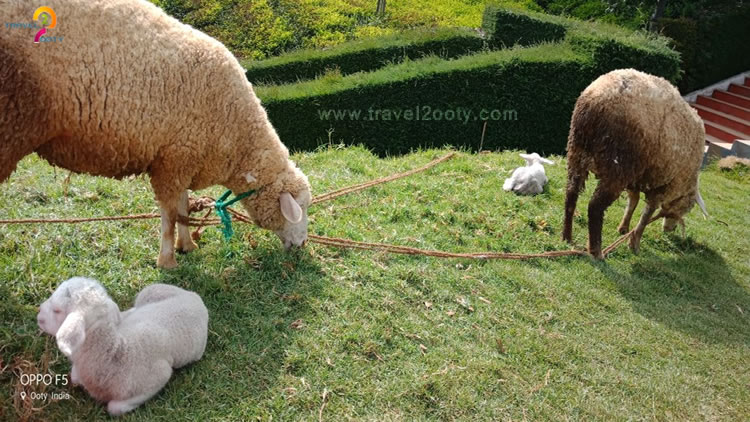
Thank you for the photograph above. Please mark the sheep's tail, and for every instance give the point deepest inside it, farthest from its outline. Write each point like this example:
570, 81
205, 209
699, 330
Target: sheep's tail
577, 173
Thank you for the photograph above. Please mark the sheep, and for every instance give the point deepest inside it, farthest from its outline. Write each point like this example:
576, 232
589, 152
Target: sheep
155, 96
529, 180
125, 359
635, 133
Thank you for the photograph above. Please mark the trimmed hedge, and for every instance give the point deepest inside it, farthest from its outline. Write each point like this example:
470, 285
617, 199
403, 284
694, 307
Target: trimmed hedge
531, 90
364, 55
508, 27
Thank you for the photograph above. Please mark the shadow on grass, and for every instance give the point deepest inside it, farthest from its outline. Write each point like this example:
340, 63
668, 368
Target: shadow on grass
257, 304
693, 292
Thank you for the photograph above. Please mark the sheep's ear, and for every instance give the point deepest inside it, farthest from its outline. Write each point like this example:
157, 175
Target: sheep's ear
71, 334
546, 161
290, 209
701, 204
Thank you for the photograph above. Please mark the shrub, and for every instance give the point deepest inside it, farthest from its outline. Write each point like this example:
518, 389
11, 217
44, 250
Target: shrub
509, 26
524, 95
364, 55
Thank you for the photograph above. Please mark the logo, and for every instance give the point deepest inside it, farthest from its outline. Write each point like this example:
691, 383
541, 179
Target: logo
47, 17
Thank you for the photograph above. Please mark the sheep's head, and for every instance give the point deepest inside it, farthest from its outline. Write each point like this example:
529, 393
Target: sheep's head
54, 310
676, 209
281, 206
85, 302
533, 158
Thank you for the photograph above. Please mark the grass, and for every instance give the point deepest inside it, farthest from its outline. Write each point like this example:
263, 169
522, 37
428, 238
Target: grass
354, 335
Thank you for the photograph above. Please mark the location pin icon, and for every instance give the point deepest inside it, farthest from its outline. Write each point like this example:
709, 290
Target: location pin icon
23, 395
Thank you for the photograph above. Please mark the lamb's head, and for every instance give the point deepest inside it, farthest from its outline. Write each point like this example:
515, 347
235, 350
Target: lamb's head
674, 210
534, 158
281, 206
56, 308
81, 302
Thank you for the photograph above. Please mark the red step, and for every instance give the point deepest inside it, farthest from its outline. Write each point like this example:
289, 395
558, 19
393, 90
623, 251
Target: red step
732, 98
724, 107
722, 132
747, 81
714, 116
740, 90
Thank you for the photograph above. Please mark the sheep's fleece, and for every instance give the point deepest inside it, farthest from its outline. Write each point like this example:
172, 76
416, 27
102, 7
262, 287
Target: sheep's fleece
125, 90
123, 359
636, 133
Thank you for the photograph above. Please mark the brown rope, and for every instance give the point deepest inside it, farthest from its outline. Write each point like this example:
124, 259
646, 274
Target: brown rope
199, 204
346, 243
351, 189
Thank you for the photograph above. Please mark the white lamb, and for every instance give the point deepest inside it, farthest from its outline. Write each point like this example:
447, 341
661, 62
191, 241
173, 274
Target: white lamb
529, 180
123, 359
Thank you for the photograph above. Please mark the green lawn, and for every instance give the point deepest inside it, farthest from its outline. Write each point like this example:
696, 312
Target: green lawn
358, 335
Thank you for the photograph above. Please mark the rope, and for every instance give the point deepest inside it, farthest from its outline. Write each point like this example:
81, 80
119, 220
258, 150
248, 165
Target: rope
199, 204
346, 243
221, 204
351, 189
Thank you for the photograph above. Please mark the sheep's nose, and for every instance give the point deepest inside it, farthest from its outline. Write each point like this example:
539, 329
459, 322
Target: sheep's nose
39, 319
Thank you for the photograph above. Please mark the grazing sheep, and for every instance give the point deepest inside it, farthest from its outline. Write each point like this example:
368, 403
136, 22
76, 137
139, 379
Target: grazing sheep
529, 180
125, 359
635, 133
152, 96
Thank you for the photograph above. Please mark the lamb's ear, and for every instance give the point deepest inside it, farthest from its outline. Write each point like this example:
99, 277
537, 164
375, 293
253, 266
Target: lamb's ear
71, 334
701, 204
546, 161
290, 209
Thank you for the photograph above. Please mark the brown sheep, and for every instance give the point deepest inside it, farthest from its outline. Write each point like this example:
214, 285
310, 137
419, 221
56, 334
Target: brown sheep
635, 133
126, 89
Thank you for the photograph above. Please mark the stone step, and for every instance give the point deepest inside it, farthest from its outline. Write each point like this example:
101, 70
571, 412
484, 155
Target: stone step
724, 107
732, 98
740, 90
716, 148
722, 132
741, 148
724, 119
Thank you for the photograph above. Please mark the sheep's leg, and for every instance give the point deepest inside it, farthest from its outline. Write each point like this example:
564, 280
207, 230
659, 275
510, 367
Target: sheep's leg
603, 197
635, 238
159, 375
184, 240
166, 257
633, 198
75, 378
575, 185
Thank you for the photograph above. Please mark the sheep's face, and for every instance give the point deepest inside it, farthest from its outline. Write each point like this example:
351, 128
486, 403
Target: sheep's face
54, 310
675, 210
282, 206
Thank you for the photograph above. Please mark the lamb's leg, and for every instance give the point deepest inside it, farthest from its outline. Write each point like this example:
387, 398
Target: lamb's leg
624, 226
603, 197
635, 238
166, 257
74, 377
184, 240
159, 375
575, 185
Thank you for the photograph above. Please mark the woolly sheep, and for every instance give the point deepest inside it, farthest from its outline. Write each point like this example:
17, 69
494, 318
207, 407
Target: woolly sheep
529, 180
125, 359
635, 133
154, 96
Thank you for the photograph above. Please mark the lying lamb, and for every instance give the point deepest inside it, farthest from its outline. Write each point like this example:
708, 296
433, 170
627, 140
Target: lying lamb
155, 97
529, 180
636, 133
125, 359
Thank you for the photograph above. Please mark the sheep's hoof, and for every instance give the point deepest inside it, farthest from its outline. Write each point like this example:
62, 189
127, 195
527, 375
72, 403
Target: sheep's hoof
635, 244
166, 261
186, 245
